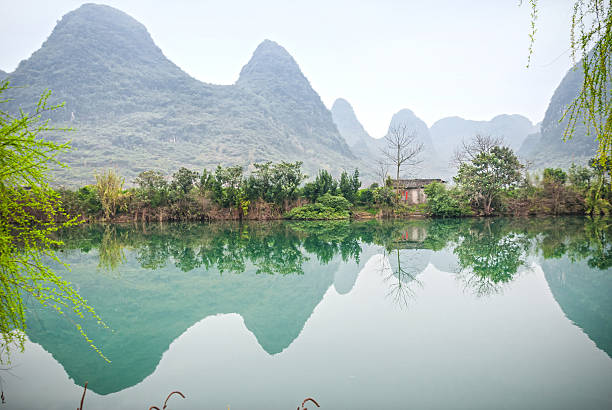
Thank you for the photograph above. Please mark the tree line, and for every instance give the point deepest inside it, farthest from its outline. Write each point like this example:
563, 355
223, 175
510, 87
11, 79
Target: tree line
490, 180
268, 192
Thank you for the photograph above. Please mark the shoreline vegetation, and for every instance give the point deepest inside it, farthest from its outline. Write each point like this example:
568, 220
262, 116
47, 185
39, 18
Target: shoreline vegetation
275, 191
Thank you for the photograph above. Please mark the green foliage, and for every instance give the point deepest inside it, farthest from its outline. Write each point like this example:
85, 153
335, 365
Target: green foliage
599, 194
226, 187
152, 188
554, 175
327, 207
554, 192
580, 177
109, 186
324, 183
89, 200
337, 202
388, 182
384, 196
365, 196
316, 211
349, 185
206, 180
29, 211
444, 203
488, 174
183, 181
275, 183
84, 201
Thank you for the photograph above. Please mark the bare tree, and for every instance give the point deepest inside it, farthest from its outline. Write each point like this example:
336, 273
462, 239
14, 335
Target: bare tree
468, 150
381, 170
402, 148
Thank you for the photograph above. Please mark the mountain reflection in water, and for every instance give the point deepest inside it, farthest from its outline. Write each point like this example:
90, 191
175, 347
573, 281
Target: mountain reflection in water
150, 283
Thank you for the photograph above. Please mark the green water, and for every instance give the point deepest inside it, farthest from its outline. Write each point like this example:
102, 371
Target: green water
471, 313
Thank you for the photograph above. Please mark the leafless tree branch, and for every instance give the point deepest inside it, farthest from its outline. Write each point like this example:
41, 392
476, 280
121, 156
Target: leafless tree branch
403, 148
468, 150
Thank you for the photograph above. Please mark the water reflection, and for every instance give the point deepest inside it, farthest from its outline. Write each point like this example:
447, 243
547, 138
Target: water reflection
399, 270
165, 278
490, 254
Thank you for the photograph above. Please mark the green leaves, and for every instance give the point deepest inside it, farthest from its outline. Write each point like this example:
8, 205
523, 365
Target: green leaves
327, 207
275, 182
349, 185
444, 203
110, 186
487, 174
30, 213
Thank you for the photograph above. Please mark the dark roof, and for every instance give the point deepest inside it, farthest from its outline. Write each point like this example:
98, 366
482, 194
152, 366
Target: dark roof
414, 183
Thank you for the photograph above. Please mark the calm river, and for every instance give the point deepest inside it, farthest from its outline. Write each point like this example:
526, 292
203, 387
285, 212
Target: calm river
421, 314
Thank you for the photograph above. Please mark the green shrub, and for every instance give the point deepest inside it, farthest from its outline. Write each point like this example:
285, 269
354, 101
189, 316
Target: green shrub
336, 202
316, 211
365, 197
89, 202
441, 202
554, 175
384, 196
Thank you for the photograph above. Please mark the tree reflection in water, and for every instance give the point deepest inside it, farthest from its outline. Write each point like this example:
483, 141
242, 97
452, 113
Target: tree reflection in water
401, 278
110, 251
168, 276
489, 255
489, 252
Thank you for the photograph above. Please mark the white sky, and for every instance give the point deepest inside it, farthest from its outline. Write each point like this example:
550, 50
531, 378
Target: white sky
438, 58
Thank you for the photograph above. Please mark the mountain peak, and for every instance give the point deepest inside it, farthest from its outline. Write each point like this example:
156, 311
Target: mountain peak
342, 104
270, 46
106, 23
93, 39
417, 127
273, 75
106, 68
408, 118
348, 125
270, 61
98, 50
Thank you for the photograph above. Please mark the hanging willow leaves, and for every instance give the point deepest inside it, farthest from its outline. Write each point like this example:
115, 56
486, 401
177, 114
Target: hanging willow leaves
591, 42
30, 213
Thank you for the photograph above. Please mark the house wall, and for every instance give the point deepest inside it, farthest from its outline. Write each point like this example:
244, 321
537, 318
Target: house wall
414, 196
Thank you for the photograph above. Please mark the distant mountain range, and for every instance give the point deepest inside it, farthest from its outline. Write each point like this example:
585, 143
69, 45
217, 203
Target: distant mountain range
439, 142
448, 133
133, 109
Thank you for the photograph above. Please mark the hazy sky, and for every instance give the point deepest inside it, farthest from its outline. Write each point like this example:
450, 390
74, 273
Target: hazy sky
438, 58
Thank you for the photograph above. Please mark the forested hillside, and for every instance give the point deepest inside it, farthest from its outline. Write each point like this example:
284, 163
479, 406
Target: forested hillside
550, 138
133, 109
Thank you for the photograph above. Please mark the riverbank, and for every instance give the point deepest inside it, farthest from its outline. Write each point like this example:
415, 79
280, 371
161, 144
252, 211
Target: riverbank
278, 191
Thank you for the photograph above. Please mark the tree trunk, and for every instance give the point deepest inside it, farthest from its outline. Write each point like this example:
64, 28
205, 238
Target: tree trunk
487, 209
397, 194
